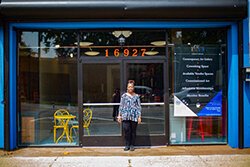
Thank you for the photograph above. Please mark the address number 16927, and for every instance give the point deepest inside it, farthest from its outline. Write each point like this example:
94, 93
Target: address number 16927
125, 52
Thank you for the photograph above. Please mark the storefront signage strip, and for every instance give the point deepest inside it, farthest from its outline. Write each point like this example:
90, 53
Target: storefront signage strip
113, 104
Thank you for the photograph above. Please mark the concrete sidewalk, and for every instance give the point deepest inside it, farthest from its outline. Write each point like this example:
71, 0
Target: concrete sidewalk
115, 156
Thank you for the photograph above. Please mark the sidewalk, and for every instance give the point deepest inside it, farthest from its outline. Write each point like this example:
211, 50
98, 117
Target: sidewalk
142, 157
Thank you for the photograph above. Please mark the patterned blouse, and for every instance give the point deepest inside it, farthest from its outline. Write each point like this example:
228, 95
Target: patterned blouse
130, 107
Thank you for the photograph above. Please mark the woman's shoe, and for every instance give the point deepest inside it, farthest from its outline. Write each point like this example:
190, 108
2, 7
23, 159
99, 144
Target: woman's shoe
132, 148
126, 148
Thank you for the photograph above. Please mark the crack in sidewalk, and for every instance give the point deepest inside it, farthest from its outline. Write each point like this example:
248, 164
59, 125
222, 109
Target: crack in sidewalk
53, 161
204, 161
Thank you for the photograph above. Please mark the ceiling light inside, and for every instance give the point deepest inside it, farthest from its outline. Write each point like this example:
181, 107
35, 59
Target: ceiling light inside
92, 53
84, 43
158, 43
126, 34
151, 53
117, 33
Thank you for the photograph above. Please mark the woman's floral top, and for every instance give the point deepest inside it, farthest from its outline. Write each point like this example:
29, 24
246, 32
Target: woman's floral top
130, 107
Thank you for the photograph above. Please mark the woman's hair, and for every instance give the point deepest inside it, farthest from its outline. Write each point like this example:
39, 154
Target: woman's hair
131, 82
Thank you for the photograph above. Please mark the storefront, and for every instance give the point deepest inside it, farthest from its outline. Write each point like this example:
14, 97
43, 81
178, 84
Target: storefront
185, 61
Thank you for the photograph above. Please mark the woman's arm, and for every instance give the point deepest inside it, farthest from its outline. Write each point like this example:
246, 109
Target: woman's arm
139, 109
119, 117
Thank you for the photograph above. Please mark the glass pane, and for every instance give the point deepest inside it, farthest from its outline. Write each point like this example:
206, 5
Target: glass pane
153, 121
101, 86
149, 81
47, 82
197, 109
149, 86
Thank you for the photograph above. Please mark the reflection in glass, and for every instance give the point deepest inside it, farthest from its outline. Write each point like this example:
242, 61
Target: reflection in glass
47, 82
149, 86
148, 81
101, 85
153, 121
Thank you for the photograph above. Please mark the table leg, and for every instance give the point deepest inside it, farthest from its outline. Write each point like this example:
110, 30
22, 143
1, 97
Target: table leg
61, 136
67, 133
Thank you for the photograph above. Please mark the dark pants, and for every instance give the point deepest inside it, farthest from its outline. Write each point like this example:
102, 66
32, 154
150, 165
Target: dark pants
129, 128
115, 112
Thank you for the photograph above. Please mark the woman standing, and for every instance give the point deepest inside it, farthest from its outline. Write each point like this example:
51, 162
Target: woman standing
130, 115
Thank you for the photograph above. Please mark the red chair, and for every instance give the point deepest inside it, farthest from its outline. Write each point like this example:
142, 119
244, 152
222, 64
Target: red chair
200, 129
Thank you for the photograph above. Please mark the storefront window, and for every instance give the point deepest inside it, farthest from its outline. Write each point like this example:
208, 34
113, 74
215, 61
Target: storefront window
198, 88
49, 70
47, 82
56, 67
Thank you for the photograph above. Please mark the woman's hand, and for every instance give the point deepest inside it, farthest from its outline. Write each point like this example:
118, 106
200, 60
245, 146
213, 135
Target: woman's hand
119, 119
139, 120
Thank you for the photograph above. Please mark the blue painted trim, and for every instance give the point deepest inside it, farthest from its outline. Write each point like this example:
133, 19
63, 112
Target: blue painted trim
246, 62
101, 25
233, 78
246, 93
233, 61
12, 90
1, 88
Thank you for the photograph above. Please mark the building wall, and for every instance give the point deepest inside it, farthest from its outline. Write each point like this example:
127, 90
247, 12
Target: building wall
233, 77
246, 37
1, 90
246, 84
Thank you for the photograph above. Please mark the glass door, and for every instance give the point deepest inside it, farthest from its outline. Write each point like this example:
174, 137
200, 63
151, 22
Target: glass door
104, 83
150, 86
101, 96
107, 59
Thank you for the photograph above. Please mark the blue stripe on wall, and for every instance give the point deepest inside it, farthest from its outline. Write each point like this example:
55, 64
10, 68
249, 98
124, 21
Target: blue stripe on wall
233, 86
101, 25
12, 87
246, 62
246, 92
1, 89
246, 115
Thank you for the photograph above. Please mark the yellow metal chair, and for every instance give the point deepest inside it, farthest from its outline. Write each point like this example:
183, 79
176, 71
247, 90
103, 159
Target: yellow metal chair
57, 122
87, 117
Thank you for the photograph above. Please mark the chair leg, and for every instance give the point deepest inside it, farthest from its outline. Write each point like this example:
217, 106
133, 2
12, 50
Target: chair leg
190, 123
88, 131
70, 133
201, 129
54, 135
